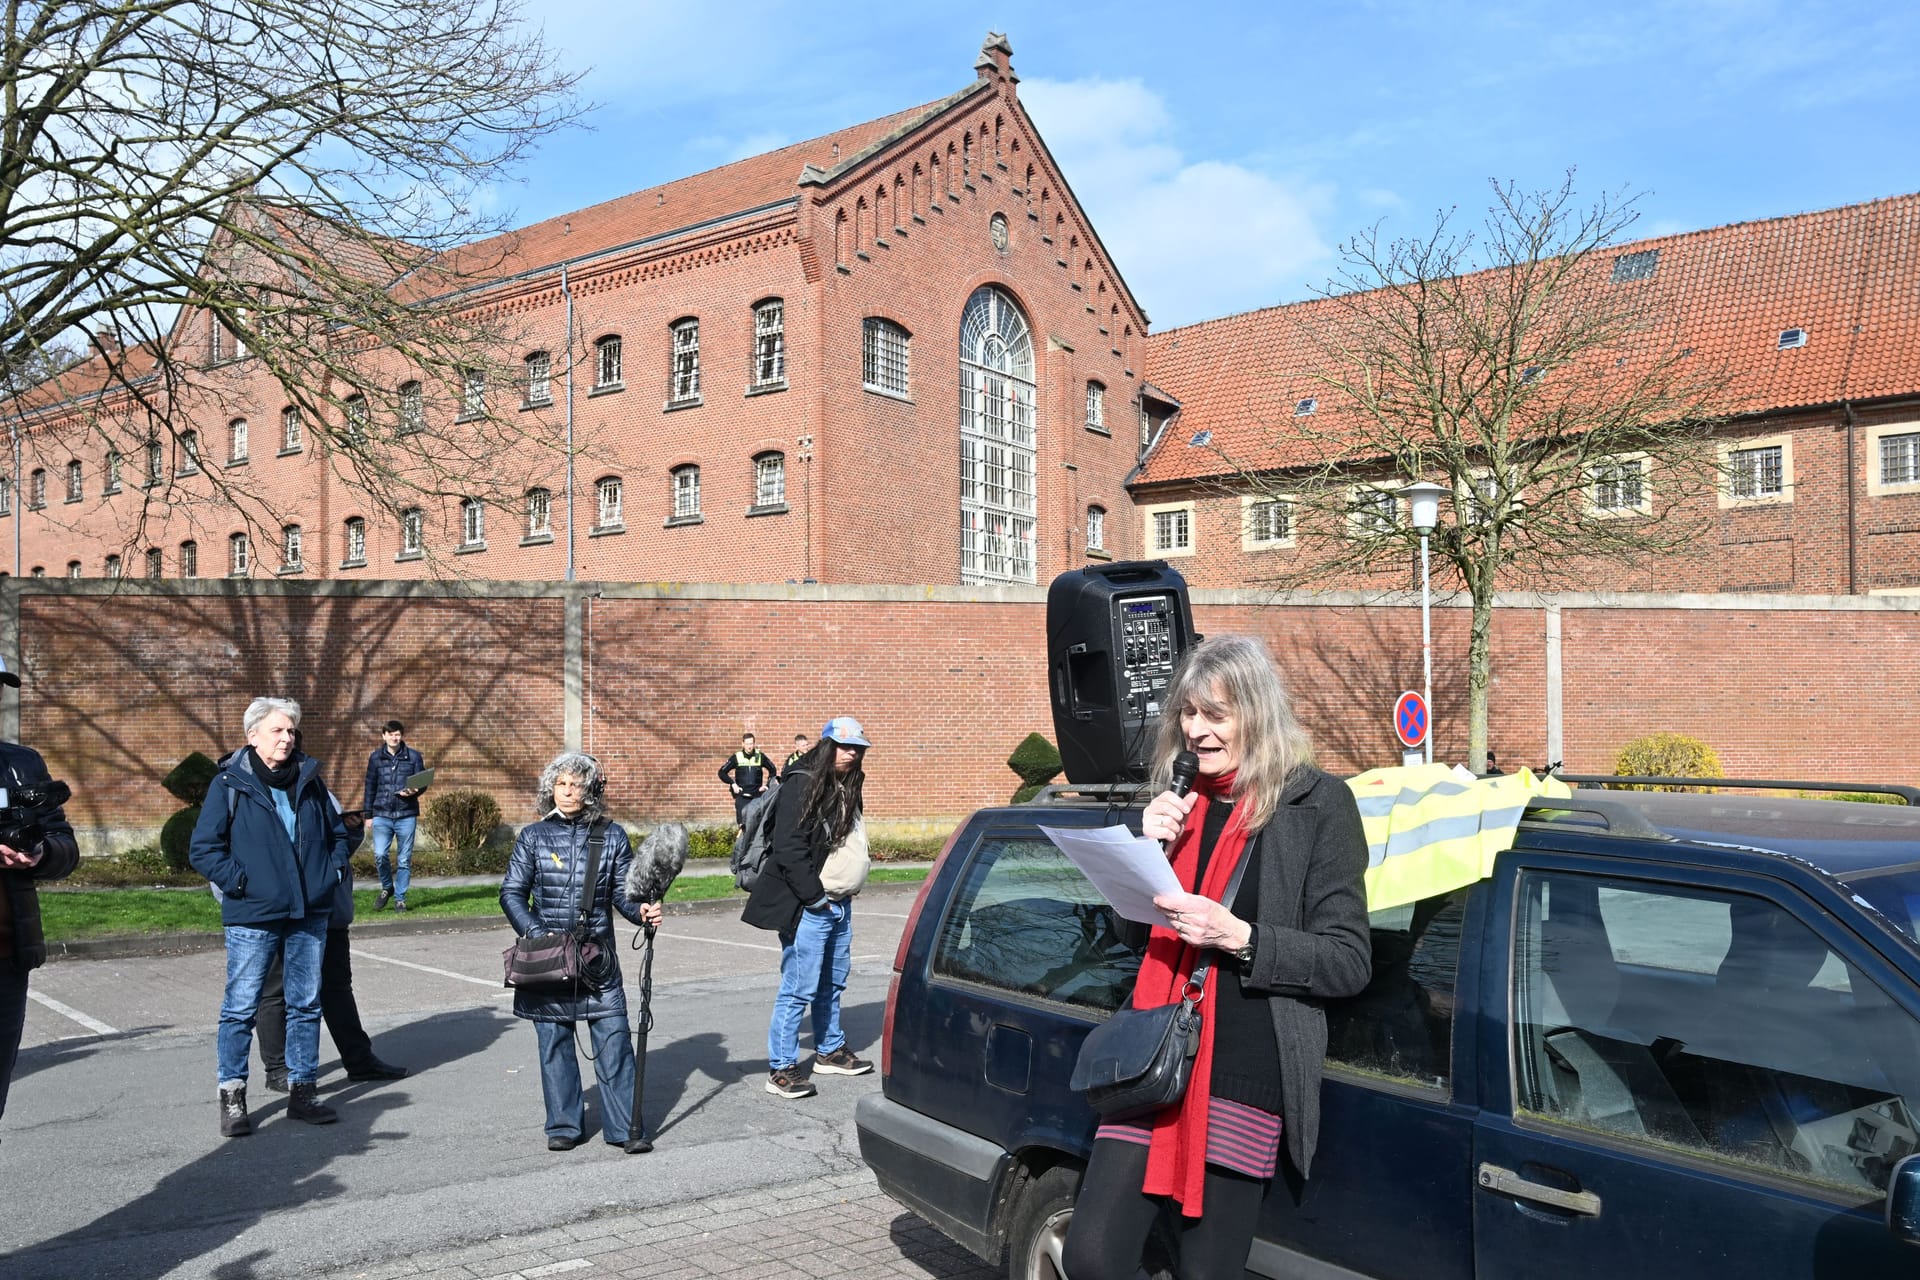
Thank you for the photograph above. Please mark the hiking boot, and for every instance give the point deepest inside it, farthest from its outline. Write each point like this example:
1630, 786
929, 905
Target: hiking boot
234, 1122
276, 1080
303, 1104
841, 1062
789, 1084
380, 902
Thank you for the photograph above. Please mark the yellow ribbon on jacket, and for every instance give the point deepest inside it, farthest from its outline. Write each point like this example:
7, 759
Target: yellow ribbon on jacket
1432, 829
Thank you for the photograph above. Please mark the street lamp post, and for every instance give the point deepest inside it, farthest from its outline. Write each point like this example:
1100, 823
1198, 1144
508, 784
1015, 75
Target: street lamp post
1424, 498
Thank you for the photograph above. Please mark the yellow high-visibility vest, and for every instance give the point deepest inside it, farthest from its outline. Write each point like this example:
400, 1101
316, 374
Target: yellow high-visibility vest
1431, 830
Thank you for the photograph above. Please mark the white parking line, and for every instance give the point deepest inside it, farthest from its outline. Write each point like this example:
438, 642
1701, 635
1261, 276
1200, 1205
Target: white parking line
427, 968
94, 1025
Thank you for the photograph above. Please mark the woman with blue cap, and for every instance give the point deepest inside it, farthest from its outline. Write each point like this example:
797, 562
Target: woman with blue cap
817, 863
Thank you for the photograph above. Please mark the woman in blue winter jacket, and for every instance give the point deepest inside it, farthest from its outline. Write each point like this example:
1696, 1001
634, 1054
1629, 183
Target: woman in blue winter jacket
541, 895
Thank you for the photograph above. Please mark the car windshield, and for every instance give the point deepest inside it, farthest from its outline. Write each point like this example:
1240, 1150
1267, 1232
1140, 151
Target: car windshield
1895, 893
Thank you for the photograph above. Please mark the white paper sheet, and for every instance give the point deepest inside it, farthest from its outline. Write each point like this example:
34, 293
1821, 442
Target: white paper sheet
1127, 869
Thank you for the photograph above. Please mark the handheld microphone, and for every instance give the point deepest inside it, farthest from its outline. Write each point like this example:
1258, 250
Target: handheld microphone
1186, 767
659, 859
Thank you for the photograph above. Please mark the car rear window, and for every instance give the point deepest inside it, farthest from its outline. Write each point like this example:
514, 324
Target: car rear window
1894, 893
1025, 920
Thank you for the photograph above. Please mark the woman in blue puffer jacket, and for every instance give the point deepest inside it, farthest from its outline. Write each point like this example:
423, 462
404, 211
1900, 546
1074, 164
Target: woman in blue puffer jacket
541, 895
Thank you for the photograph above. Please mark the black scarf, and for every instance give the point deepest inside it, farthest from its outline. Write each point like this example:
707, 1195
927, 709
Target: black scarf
279, 779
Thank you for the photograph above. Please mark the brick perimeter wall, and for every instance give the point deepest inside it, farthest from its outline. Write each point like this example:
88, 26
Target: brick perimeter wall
121, 685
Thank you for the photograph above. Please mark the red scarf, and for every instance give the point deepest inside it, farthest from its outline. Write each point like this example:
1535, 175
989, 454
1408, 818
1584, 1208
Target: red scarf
1177, 1156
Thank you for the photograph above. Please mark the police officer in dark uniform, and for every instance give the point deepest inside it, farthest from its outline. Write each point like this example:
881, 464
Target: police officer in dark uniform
747, 772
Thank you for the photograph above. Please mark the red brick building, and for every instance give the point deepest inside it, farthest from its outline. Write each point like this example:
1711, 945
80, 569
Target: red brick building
910, 319
1816, 317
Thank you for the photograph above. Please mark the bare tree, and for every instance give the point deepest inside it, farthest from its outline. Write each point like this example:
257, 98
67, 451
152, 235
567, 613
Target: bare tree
221, 196
1538, 375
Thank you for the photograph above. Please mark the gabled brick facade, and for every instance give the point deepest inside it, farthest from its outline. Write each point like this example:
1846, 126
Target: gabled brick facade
900, 220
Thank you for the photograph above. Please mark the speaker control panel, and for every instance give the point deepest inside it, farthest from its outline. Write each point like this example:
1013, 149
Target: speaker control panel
1148, 641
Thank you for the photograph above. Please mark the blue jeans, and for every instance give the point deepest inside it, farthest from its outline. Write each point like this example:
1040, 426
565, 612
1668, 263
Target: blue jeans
13, 1021
560, 1077
250, 950
398, 831
814, 960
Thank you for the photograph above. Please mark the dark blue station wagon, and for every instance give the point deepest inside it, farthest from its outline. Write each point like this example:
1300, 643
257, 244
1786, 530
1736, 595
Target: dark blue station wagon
1672, 1035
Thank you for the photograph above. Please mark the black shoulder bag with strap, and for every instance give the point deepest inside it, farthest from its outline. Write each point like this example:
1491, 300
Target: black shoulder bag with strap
562, 959
1139, 1060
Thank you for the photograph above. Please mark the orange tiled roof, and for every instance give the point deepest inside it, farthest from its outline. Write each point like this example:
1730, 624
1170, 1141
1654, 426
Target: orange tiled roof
84, 378
1849, 276
683, 202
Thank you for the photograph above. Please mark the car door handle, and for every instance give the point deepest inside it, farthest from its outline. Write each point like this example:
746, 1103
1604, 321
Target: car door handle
1509, 1183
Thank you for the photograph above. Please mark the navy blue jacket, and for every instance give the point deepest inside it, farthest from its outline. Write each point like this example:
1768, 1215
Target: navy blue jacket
540, 894
262, 876
387, 774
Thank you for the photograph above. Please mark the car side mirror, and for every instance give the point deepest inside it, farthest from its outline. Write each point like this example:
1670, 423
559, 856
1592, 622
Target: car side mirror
1903, 1200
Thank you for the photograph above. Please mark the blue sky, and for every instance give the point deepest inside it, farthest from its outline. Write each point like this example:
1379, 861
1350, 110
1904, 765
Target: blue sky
1225, 150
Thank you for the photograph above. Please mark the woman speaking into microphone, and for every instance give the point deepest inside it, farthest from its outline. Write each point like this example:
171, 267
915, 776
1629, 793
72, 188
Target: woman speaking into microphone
1293, 935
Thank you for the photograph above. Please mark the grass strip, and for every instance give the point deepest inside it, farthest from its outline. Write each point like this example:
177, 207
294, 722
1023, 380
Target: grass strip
122, 912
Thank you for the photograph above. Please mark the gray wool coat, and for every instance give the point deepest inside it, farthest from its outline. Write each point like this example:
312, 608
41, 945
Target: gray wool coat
1312, 943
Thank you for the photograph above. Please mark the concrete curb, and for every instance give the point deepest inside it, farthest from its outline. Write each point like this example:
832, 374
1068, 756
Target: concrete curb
387, 926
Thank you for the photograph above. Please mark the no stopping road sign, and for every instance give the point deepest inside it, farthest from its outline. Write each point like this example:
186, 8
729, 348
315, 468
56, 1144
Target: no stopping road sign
1410, 718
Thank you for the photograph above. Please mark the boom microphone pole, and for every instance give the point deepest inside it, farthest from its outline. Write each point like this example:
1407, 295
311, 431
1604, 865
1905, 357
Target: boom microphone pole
660, 858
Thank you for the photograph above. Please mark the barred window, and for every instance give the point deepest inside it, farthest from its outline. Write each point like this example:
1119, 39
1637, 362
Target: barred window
1756, 473
539, 513
883, 356
155, 563
6, 496
998, 502
73, 568
1373, 513
189, 453
1096, 528
539, 388
684, 377
113, 566
1173, 530
413, 408
473, 394
769, 343
356, 540
770, 480
1900, 458
113, 472
413, 529
686, 492
37, 489
290, 547
290, 432
189, 559
355, 407
1269, 520
1619, 484
610, 506
237, 440
239, 558
1096, 407
156, 462
473, 522
606, 362
75, 489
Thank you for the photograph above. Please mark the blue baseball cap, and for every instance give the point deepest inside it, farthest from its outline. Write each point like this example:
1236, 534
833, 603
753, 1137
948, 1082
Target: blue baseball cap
846, 731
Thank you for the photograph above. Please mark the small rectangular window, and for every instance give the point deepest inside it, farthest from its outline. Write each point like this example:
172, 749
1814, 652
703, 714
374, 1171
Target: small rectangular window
770, 480
1096, 407
1173, 530
239, 556
1900, 458
1096, 528
290, 432
413, 408
1373, 513
189, 559
473, 394
539, 379
606, 363
1791, 338
883, 356
413, 523
539, 513
686, 492
1306, 407
1635, 266
113, 472
237, 440
76, 489
1619, 484
290, 547
611, 495
473, 522
1270, 520
1756, 473
356, 540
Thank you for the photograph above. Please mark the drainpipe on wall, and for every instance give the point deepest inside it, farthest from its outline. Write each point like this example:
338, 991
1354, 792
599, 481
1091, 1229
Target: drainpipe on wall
13, 429
567, 293
1853, 542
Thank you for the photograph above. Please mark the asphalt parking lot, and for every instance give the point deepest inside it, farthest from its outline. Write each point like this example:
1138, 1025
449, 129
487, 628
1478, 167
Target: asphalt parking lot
114, 1167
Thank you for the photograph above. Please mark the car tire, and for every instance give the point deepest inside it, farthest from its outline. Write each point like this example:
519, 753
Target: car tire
1039, 1230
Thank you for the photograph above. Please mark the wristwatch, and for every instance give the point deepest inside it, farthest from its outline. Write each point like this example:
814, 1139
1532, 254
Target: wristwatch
1244, 955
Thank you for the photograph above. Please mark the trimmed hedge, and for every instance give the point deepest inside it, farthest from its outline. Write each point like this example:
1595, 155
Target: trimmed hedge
1668, 755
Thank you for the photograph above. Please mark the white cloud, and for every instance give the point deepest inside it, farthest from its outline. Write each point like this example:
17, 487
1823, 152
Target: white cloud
1194, 238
